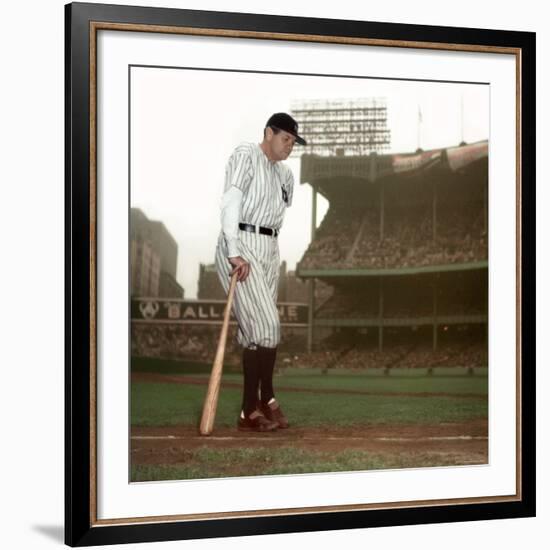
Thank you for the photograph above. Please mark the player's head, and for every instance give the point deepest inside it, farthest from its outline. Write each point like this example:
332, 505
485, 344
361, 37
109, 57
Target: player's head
280, 135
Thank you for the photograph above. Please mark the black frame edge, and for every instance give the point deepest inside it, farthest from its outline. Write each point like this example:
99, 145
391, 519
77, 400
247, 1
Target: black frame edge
528, 271
67, 274
222, 528
299, 25
77, 277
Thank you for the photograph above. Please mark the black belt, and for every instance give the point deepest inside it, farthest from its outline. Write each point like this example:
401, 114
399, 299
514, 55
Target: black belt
263, 230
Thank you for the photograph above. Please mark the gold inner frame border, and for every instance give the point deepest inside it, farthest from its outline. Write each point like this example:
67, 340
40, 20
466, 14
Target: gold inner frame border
96, 26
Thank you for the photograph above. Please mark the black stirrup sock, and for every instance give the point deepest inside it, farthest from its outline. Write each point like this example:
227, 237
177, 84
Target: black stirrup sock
267, 358
251, 372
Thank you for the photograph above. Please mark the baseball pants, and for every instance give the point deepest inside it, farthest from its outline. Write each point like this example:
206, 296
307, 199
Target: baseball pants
255, 300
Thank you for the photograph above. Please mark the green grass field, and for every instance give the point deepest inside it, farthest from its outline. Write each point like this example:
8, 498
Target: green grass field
325, 403
213, 463
155, 404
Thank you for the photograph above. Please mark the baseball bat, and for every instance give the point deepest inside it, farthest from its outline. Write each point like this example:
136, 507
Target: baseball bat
211, 399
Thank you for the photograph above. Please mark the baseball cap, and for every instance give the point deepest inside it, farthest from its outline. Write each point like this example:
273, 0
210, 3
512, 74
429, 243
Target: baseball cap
287, 123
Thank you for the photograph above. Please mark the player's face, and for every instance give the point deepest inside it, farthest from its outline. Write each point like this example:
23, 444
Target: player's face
281, 144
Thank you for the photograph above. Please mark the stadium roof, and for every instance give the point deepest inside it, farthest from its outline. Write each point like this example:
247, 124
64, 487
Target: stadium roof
320, 171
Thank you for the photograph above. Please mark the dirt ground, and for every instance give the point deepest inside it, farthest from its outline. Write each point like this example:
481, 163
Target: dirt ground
467, 442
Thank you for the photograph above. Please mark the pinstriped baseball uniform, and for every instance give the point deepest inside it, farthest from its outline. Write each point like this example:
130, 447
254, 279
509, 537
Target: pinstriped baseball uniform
267, 189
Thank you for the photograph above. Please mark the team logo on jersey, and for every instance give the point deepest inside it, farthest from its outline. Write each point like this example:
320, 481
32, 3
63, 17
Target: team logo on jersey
285, 194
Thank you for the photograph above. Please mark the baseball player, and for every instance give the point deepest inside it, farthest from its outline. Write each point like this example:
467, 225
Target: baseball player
258, 189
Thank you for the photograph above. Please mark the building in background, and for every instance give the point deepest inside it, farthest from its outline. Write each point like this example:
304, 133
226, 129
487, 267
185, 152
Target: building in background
169, 287
153, 258
209, 287
144, 267
166, 246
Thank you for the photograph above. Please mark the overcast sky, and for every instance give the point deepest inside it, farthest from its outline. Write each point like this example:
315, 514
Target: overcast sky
185, 123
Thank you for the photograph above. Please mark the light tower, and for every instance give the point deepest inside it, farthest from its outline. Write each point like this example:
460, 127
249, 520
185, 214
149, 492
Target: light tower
342, 127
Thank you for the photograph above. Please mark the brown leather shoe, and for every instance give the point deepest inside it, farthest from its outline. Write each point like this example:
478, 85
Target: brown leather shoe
256, 422
273, 412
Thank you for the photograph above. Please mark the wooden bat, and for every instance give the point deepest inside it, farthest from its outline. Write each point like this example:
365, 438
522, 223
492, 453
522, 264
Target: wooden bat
211, 399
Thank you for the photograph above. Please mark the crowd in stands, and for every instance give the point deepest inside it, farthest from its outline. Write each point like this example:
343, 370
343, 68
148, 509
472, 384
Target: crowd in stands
353, 302
462, 308
181, 341
353, 238
347, 304
334, 237
457, 355
198, 343
338, 307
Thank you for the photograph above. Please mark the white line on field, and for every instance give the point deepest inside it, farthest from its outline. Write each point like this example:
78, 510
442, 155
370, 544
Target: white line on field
264, 438
447, 438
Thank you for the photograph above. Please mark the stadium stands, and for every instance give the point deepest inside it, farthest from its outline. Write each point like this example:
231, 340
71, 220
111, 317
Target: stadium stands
404, 245
408, 239
196, 343
470, 356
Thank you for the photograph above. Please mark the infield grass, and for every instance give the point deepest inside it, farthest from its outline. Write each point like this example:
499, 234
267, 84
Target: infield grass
212, 463
164, 404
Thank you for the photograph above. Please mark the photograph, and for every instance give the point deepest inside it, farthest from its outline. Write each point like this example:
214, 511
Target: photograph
354, 213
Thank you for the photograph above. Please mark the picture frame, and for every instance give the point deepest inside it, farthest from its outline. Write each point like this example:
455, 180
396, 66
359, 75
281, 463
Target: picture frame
84, 301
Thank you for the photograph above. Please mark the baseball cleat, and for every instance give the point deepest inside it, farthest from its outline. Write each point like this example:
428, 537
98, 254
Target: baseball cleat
256, 422
273, 412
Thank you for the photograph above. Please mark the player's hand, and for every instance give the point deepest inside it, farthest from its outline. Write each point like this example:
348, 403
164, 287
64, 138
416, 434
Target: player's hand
240, 266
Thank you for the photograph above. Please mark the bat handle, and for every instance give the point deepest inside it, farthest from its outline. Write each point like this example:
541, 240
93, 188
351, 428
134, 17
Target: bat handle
230, 295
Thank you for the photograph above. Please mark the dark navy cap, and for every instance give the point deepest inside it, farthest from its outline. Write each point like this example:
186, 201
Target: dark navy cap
287, 123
